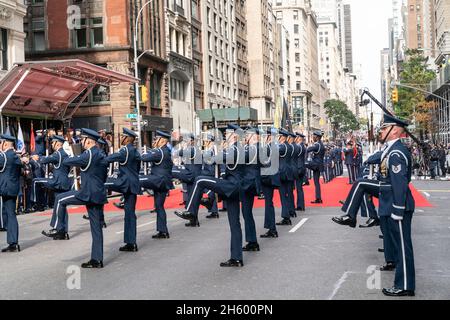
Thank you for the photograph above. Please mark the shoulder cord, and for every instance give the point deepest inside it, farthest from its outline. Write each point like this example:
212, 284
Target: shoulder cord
59, 161
284, 155
6, 160
320, 148
126, 158
162, 157
195, 153
293, 149
256, 154
89, 163
237, 160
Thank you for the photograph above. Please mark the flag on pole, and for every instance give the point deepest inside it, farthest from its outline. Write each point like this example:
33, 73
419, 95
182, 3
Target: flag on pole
278, 112
32, 140
20, 140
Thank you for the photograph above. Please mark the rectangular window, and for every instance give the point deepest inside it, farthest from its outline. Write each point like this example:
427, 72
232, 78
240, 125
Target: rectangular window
4, 49
296, 29
96, 32
295, 14
81, 35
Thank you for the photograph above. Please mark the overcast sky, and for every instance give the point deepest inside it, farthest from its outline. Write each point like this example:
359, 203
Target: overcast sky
370, 36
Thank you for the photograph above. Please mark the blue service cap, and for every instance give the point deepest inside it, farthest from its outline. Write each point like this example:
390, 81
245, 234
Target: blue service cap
129, 133
233, 126
301, 135
389, 120
252, 130
210, 137
89, 133
292, 135
58, 138
101, 141
7, 137
163, 134
284, 132
318, 133
272, 131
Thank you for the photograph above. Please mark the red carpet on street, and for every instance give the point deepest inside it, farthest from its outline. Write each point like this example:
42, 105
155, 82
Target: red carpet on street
331, 193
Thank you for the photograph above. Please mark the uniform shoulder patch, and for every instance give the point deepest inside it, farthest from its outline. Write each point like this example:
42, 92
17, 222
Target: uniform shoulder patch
396, 169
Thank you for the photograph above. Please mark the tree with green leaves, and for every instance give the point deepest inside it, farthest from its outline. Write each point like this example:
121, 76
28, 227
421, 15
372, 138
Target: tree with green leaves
412, 104
341, 118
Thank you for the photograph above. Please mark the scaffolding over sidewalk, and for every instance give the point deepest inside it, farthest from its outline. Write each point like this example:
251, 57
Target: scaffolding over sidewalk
52, 89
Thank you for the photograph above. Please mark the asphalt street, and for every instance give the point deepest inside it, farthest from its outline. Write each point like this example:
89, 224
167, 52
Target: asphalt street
313, 259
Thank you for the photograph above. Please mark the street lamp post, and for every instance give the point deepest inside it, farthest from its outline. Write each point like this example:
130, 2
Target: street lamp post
136, 74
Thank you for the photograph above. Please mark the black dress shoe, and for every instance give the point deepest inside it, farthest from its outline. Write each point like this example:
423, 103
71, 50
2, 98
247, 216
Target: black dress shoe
182, 203
129, 247
119, 205
261, 197
153, 210
232, 263
193, 223
300, 209
3, 229
161, 235
213, 215
293, 214
317, 201
390, 266
222, 210
186, 215
341, 202
345, 221
372, 222
270, 234
61, 236
394, 292
380, 236
12, 248
51, 233
285, 222
92, 264
85, 217
206, 203
251, 246
381, 250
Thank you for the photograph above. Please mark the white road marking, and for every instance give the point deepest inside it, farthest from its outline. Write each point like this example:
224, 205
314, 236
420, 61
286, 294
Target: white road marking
139, 226
427, 194
338, 284
298, 226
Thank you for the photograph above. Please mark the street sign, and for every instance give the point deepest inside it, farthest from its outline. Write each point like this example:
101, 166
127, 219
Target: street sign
143, 123
132, 116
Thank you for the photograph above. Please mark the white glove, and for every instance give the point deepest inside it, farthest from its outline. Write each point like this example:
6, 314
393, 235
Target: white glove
396, 218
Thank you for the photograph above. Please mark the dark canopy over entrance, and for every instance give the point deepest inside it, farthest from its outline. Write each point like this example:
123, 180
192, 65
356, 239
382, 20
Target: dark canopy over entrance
52, 89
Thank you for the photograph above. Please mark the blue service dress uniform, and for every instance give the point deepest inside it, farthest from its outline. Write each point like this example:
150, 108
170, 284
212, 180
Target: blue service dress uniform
209, 169
38, 172
10, 171
39, 142
160, 181
92, 194
251, 187
396, 200
301, 158
229, 188
286, 176
59, 183
349, 160
191, 168
270, 179
316, 165
127, 183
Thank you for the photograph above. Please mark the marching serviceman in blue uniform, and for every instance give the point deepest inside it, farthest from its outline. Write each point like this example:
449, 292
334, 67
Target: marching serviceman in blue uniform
10, 170
160, 179
191, 168
300, 161
286, 176
349, 160
316, 164
270, 179
94, 169
228, 187
396, 204
127, 183
251, 186
292, 162
209, 169
38, 172
60, 182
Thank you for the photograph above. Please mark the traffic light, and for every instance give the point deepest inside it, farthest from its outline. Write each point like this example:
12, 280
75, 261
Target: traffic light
144, 93
395, 95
